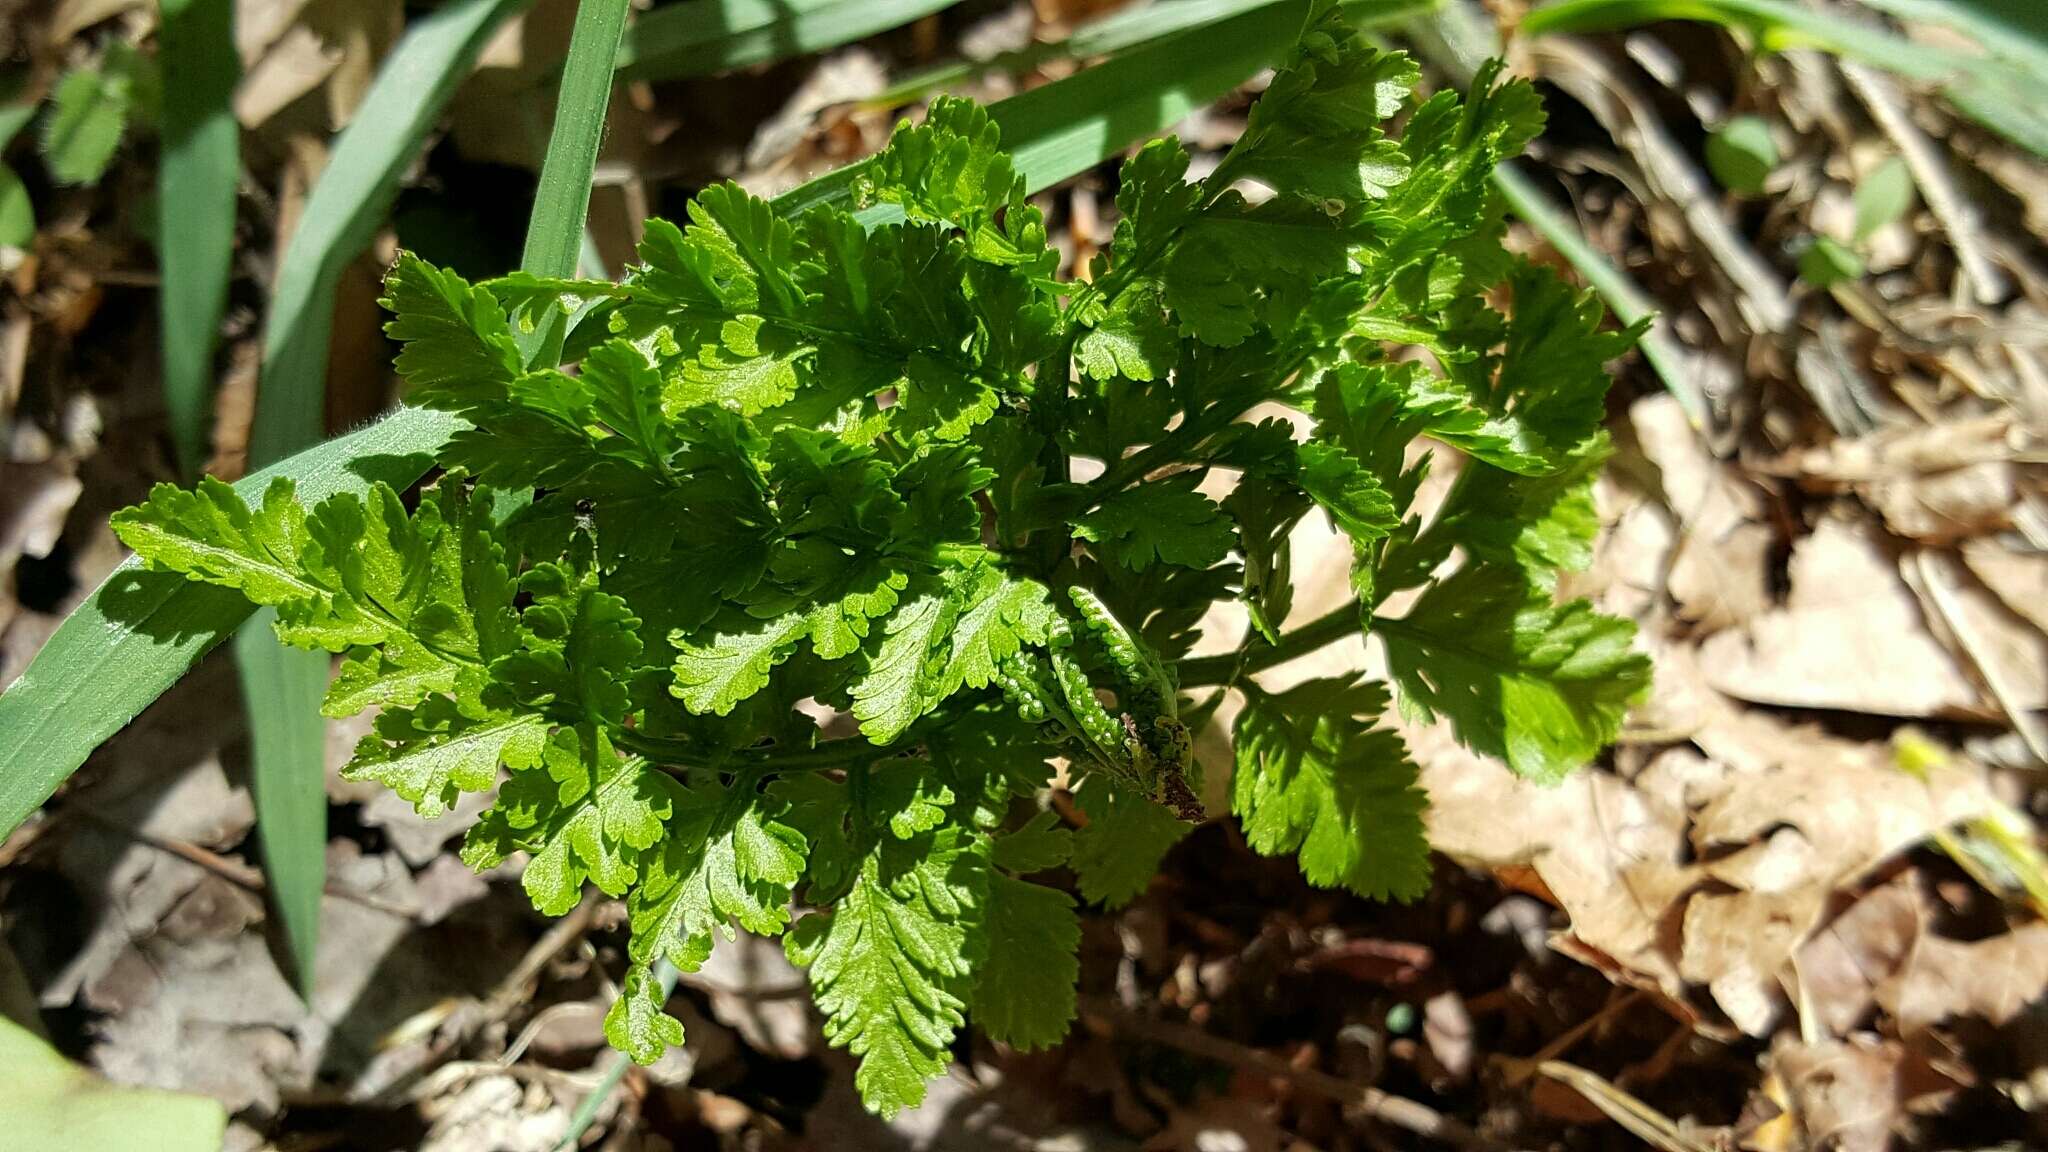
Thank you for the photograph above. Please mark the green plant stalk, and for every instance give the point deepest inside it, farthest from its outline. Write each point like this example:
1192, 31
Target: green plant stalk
702, 36
195, 207
139, 632
1126, 29
666, 975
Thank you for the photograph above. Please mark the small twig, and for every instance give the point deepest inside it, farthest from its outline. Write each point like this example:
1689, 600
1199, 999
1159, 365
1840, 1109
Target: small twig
244, 876
1394, 1111
562, 933
1519, 1069
1958, 215
506, 996
1644, 1122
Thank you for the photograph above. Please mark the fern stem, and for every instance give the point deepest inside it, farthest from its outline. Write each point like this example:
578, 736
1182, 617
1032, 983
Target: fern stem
669, 752
1231, 667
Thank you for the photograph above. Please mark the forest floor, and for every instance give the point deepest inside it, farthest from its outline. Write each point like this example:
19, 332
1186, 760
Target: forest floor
1801, 905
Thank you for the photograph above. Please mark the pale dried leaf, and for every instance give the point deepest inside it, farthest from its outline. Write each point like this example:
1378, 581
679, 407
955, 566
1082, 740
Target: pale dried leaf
2019, 579
297, 63
1853, 1095
1853, 636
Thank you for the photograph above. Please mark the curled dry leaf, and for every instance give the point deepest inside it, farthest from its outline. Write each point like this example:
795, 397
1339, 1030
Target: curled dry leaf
1853, 636
1839, 971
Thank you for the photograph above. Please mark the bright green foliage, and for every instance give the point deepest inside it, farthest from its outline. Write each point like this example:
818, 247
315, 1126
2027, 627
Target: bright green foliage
89, 109
1742, 155
1314, 776
809, 460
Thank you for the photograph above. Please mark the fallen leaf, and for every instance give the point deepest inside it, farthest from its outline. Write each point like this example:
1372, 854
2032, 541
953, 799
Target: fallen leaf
296, 63
1853, 1095
2020, 580
1218, 1123
1608, 854
1852, 636
75, 16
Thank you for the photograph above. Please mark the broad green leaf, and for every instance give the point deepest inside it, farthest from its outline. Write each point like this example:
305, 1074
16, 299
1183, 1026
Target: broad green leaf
47, 1102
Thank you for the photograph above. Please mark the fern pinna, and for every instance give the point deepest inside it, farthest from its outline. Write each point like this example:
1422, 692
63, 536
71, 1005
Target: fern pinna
834, 459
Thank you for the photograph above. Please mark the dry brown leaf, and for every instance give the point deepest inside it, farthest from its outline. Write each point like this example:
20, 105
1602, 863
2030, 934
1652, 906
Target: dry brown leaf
1931, 482
1991, 979
1736, 944
1720, 575
1906, 451
258, 24
1607, 853
1219, 1122
1840, 969
1948, 506
1853, 1095
1853, 636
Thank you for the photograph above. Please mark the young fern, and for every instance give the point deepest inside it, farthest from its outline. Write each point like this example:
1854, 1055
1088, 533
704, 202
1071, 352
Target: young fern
831, 458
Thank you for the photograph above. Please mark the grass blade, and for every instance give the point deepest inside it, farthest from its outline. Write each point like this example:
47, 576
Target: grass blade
1129, 28
196, 207
281, 690
701, 36
138, 633
2000, 89
347, 204
47, 1102
554, 232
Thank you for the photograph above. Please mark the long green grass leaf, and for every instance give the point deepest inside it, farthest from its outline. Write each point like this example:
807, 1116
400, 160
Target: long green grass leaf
114, 641
47, 1103
196, 207
1129, 28
554, 232
703, 36
347, 204
1999, 87
281, 690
